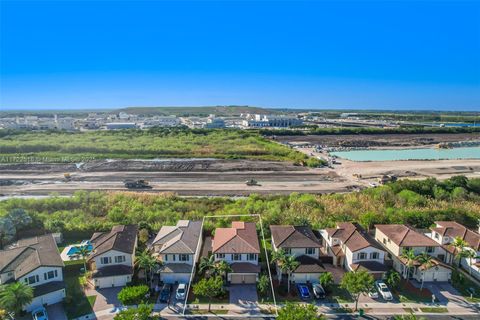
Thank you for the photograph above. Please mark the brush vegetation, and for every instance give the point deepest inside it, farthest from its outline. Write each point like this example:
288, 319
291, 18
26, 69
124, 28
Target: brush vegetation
413, 202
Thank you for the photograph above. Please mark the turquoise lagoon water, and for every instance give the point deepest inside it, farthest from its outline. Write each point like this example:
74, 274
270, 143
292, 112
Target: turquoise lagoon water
409, 154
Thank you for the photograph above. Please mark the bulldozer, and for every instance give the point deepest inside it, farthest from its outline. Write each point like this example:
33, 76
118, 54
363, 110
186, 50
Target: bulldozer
137, 184
67, 176
252, 182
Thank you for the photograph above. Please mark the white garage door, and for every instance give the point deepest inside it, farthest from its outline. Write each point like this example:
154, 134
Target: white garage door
108, 282
306, 277
175, 277
243, 278
47, 299
436, 276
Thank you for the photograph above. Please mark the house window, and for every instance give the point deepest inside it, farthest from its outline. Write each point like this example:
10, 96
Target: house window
436, 235
288, 250
32, 279
406, 249
236, 257
374, 255
119, 259
183, 257
430, 249
174, 257
50, 274
362, 256
220, 255
384, 241
309, 250
251, 256
106, 260
166, 257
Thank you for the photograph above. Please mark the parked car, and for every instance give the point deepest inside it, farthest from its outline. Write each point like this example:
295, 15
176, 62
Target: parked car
373, 293
318, 291
165, 293
303, 291
40, 314
181, 291
383, 290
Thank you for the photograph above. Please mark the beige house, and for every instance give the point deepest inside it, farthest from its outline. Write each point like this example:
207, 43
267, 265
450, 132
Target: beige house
353, 248
397, 239
176, 247
112, 258
35, 262
300, 242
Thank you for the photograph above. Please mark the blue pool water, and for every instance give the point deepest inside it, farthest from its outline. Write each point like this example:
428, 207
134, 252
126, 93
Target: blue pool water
74, 250
410, 154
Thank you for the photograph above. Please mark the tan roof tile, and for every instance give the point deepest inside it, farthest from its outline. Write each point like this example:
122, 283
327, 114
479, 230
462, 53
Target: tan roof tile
240, 238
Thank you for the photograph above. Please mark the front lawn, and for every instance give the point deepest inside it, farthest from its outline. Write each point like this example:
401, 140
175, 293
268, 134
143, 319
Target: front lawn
434, 310
406, 292
464, 285
339, 295
76, 303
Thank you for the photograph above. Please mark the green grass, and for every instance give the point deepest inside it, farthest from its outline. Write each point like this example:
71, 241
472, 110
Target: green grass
76, 303
213, 311
434, 310
463, 285
339, 295
406, 292
148, 144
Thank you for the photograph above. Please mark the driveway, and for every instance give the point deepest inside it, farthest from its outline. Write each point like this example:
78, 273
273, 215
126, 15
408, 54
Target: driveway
56, 311
106, 298
243, 294
445, 292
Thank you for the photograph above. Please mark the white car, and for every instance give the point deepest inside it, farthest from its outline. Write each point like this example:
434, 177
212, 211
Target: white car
40, 314
373, 293
383, 290
181, 291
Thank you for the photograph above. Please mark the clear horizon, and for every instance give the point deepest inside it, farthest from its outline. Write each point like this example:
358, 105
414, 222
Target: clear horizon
380, 55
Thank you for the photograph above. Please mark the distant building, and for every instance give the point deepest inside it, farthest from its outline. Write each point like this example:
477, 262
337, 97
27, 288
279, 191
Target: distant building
120, 125
161, 121
214, 122
260, 121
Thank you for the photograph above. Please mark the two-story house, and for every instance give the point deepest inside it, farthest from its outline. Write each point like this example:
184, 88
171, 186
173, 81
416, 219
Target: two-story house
352, 248
239, 247
177, 247
397, 239
35, 262
112, 257
300, 242
445, 233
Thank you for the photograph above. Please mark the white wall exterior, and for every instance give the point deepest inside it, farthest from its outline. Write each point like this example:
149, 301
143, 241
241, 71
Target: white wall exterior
175, 258
228, 258
112, 254
46, 299
40, 272
113, 281
172, 278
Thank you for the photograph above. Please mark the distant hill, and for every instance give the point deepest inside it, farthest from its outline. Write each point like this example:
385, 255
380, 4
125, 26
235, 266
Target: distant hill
223, 111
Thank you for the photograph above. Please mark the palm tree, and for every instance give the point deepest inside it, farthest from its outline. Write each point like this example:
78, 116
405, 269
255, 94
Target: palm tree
288, 265
206, 264
326, 279
83, 251
223, 268
459, 244
469, 254
15, 296
277, 257
426, 262
148, 263
393, 278
410, 258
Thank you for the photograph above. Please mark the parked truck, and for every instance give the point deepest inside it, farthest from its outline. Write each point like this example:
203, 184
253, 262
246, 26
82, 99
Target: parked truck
137, 184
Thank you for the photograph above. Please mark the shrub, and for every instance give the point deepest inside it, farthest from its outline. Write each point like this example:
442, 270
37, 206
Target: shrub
133, 295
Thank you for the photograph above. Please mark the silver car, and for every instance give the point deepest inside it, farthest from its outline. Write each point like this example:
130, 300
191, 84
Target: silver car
383, 290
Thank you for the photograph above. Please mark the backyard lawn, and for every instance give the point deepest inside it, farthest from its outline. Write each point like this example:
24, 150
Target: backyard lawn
76, 303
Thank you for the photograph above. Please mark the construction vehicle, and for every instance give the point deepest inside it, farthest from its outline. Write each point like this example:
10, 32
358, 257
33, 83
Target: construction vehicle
67, 176
252, 182
137, 184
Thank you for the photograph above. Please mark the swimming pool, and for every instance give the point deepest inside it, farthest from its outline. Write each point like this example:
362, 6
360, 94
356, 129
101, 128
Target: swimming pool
76, 248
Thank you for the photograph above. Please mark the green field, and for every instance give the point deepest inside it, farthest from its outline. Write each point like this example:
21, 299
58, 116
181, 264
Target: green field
55, 146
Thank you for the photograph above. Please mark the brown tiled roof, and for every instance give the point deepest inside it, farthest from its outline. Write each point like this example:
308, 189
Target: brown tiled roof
453, 229
176, 268
369, 266
353, 236
48, 287
114, 270
435, 263
337, 250
404, 236
294, 237
309, 265
29, 254
121, 238
244, 267
240, 238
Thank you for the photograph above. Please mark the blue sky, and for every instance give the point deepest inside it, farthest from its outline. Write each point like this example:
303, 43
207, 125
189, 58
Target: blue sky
312, 54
